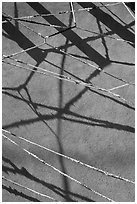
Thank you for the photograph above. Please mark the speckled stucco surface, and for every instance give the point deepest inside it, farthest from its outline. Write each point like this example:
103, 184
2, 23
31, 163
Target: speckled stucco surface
88, 125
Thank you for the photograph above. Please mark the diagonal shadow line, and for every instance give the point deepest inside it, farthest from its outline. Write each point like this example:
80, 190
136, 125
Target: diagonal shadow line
72, 36
23, 172
10, 36
29, 121
98, 36
37, 54
108, 33
106, 49
113, 13
112, 61
99, 122
118, 18
79, 56
6, 35
13, 32
84, 39
128, 26
31, 104
89, 121
94, 74
108, 20
55, 108
80, 94
75, 39
131, 5
24, 43
66, 190
75, 99
17, 193
84, 90
34, 104
34, 108
92, 38
57, 135
124, 63
103, 40
64, 110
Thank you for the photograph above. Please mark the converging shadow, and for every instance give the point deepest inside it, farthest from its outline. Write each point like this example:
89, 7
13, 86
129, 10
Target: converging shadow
109, 33
123, 63
111, 23
23, 42
103, 40
115, 15
17, 193
60, 114
57, 135
72, 36
23, 172
36, 53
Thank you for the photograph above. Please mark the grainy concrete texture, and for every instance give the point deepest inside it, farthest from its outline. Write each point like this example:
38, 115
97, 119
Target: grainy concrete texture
89, 125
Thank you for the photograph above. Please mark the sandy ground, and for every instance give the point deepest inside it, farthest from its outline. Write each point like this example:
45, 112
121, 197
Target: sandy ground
86, 124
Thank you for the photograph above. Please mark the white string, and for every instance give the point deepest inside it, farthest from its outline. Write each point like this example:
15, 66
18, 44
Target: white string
26, 50
69, 54
29, 189
72, 10
39, 68
117, 87
105, 35
62, 77
79, 82
62, 12
36, 46
30, 21
66, 78
128, 10
89, 64
72, 159
57, 170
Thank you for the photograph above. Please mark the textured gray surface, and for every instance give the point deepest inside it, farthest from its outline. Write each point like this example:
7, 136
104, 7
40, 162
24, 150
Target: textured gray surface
83, 124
